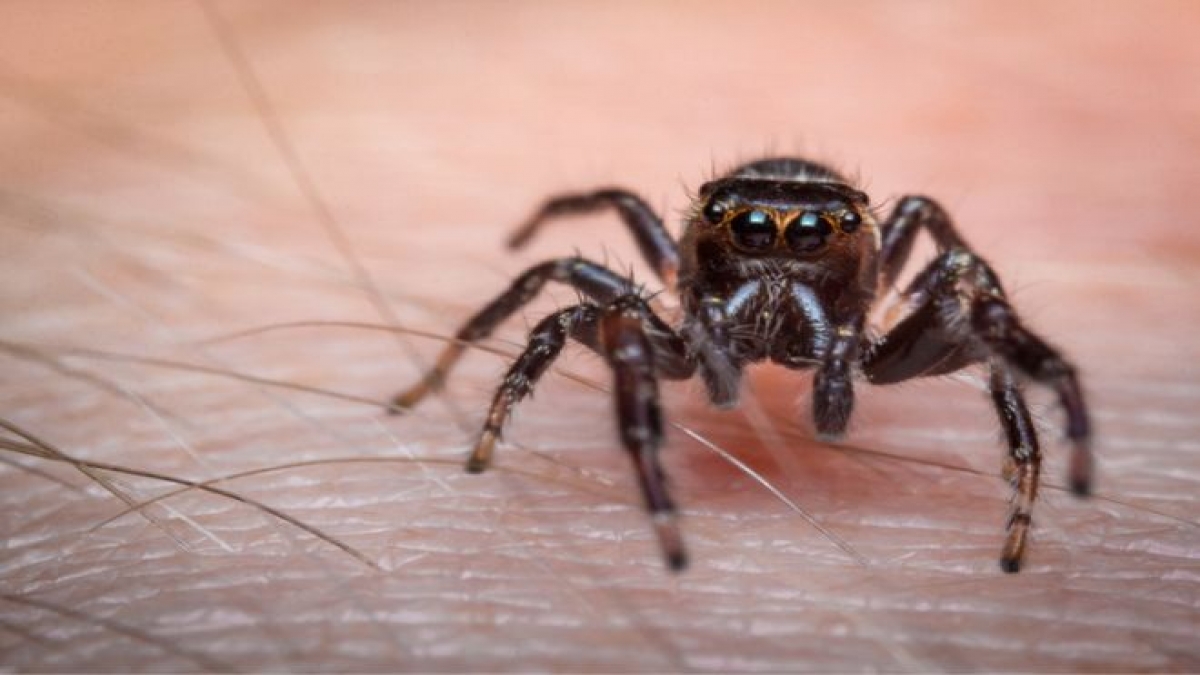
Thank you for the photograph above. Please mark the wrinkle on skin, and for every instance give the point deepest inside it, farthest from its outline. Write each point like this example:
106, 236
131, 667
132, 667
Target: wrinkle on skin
143, 210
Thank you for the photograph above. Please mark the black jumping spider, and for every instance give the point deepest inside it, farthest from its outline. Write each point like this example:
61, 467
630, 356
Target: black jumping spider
780, 259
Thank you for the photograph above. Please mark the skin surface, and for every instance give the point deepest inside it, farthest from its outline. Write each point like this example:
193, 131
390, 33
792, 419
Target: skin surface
147, 206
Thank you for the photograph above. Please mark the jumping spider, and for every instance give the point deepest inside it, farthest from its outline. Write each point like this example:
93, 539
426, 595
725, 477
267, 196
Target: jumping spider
780, 259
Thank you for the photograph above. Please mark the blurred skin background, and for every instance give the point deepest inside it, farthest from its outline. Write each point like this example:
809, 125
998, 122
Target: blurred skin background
176, 174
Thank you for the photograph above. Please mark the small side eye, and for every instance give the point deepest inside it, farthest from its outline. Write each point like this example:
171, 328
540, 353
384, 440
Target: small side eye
714, 211
808, 232
850, 221
753, 230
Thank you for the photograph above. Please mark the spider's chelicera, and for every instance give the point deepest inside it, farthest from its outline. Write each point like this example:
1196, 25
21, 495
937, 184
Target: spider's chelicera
780, 260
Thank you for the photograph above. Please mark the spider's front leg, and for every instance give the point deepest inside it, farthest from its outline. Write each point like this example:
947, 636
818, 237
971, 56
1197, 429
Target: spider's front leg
1026, 462
996, 322
630, 338
959, 317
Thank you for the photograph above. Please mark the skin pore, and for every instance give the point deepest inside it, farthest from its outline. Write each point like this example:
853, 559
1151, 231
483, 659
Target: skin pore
175, 302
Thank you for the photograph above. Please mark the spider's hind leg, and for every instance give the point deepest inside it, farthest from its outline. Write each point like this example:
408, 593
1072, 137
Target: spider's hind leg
653, 240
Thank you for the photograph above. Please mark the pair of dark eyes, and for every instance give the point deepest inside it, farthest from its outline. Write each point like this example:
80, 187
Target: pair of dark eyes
755, 230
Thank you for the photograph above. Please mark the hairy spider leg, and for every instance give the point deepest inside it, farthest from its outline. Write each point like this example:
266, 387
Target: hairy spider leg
911, 215
546, 341
997, 323
955, 322
1028, 352
1026, 460
656, 245
591, 279
939, 336
630, 353
625, 333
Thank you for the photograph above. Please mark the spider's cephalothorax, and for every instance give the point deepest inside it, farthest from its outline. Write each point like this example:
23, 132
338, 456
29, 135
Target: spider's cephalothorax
780, 260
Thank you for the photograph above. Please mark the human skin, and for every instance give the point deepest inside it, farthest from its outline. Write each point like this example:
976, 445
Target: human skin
150, 218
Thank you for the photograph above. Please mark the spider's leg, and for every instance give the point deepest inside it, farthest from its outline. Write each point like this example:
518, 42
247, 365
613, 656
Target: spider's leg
934, 337
995, 321
1026, 351
591, 279
1026, 462
630, 353
627, 334
959, 317
912, 214
656, 245
582, 323
546, 341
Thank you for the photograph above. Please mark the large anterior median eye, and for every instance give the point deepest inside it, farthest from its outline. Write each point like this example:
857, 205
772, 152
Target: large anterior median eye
753, 230
808, 232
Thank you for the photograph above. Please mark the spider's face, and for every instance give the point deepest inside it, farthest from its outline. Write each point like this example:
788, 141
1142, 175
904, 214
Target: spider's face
782, 219
802, 231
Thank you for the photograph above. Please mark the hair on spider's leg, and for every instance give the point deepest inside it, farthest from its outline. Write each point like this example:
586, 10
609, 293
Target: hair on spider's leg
898, 232
591, 279
1026, 458
619, 333
936, 338
997, 324
993, 319
546, 341
653, 240
630, 354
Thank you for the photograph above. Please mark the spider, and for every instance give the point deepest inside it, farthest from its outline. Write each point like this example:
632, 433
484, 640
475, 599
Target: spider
781, 259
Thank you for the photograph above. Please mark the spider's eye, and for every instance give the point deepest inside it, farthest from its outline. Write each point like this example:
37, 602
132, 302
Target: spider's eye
753, 230
850, 221
714, 211
808, 232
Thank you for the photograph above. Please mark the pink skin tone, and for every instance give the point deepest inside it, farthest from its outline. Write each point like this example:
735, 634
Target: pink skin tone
145, 209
